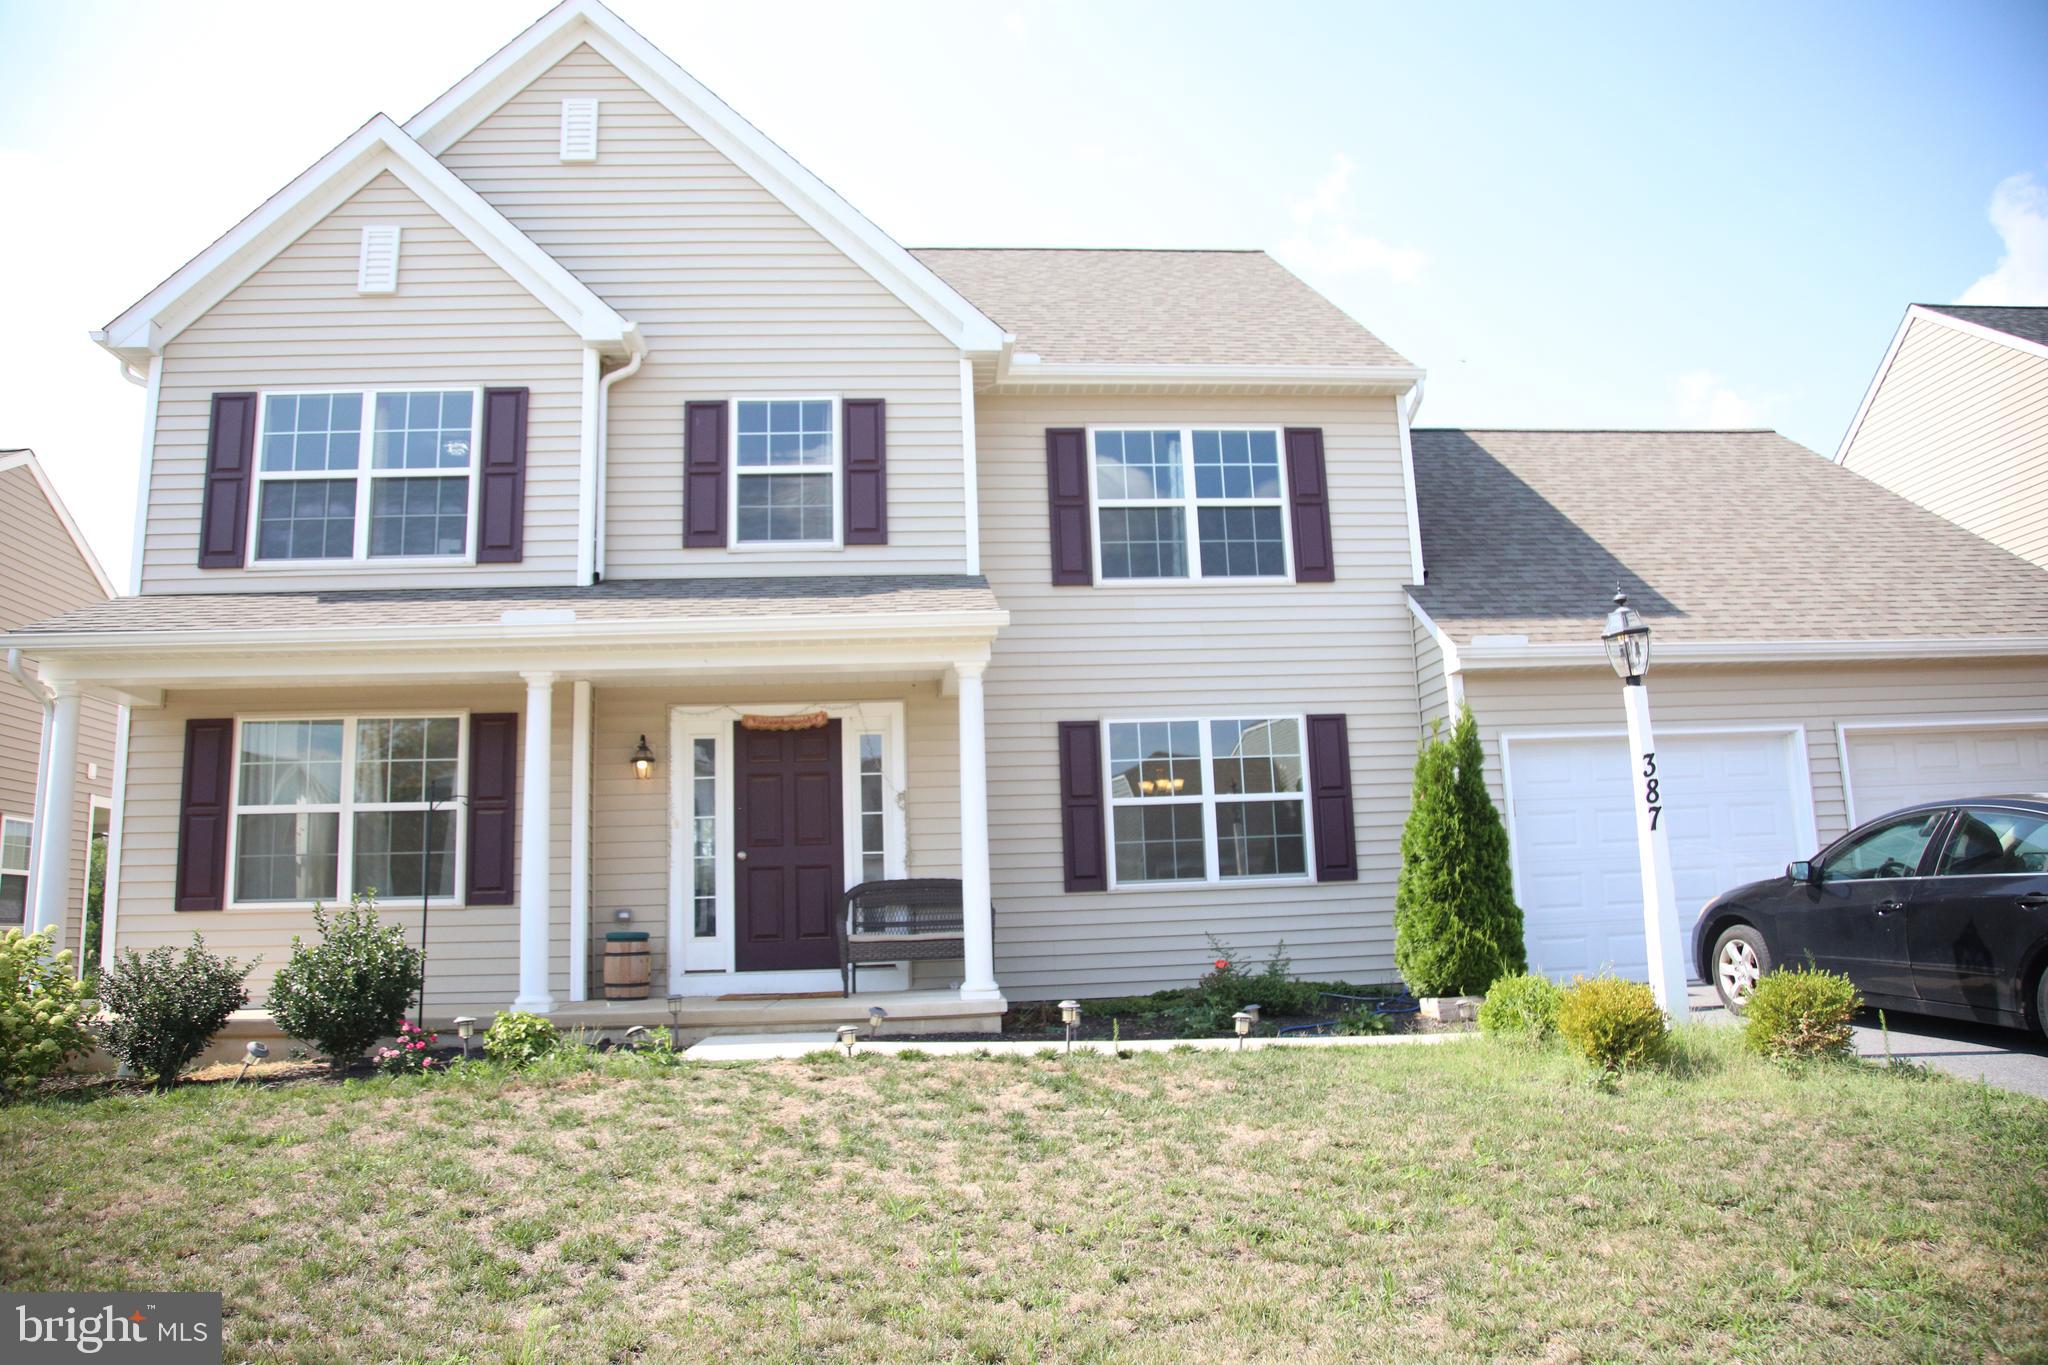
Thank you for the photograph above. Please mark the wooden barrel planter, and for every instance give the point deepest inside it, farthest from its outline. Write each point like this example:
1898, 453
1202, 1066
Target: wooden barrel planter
626, 959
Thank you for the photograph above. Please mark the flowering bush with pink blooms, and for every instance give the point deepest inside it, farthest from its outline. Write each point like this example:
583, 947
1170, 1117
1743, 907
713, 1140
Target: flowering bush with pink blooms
414, 1054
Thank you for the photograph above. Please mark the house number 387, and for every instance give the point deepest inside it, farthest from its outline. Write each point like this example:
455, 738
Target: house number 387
1652, 798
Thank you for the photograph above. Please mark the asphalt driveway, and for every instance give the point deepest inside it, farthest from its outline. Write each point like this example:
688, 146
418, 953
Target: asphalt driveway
2007, 1058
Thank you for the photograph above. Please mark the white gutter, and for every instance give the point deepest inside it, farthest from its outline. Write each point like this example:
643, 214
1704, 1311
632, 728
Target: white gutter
586, 469
1405, 415
539, 626
1026, 368
1454, 663
970, 477
636, 344
152, 396
1496, 652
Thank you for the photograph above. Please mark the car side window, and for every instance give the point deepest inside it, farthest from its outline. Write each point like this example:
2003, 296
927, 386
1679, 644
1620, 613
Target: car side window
1890, 850
1994, 843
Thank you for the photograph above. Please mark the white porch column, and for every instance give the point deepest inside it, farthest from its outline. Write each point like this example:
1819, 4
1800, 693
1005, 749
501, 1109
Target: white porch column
52, 880
978, 916
536, 805
579, 842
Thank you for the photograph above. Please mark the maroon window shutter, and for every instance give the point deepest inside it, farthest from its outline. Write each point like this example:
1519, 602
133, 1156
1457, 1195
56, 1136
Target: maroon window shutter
703, 476
1329, 794
1066, 477
501, 502
867, 472
1081, 805
493, 813
1310, 491
203, 815
230, 469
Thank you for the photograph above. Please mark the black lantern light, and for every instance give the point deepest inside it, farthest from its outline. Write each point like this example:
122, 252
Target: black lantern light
643, 761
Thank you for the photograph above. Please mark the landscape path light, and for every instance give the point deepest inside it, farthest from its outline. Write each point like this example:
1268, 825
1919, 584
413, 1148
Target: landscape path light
254, 1053
1627, 641
1070, 1015
848, 1035
876, 1014
465, 1024
1243, 1019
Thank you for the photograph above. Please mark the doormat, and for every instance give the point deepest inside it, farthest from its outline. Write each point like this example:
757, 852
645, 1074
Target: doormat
786, 995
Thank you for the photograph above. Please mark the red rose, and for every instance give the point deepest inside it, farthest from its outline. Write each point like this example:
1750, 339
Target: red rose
1222, 964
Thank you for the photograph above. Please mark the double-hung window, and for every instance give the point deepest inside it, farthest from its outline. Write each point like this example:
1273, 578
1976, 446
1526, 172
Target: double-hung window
785, 471
366, 475
1190, 503
14, 846
326, 808
1207, 800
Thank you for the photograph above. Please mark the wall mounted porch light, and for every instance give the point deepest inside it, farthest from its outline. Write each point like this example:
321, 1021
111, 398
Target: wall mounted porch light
643, 761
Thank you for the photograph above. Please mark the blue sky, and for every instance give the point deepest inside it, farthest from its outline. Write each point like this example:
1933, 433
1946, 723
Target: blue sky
1592, 215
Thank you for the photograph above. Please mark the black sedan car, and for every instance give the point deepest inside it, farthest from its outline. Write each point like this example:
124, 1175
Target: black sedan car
1939, 908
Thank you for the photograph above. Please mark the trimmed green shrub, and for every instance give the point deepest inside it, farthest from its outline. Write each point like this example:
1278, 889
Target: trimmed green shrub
42, 1011
1520, 1008
1457, 928
1613, 1024
517, 1039
1800, 1012
167, 1008
350, 989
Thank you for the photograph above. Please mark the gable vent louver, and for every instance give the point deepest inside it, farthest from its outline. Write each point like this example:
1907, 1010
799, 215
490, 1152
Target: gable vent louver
579, 130
377, 271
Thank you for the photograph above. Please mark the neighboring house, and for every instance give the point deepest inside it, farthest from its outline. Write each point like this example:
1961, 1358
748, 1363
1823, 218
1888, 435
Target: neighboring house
46, 568
1957, 420
1822, 652
574, 451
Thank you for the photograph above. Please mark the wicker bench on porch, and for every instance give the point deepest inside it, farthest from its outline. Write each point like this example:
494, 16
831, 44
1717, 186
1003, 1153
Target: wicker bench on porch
913, 919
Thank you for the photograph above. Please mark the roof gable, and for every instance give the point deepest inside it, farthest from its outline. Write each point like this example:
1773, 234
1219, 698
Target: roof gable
575, 22
26, 460
2023, 329
378, 147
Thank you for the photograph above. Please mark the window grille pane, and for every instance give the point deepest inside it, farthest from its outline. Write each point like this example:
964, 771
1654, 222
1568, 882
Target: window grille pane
785, 507
1155, 758
422, 430
15, 836
785, 434
704, 838
873, 829
306, 519
407, 759
1137, 464
13, 899
392, 850
1160, 843
311, 431
1256, 756
1260, 839
1242, 542
290, 763
1144, 542
1237, 464
419, 517
287, 857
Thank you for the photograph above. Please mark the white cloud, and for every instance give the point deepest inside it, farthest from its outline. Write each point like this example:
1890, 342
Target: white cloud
1328, 244
1702, 399
2019, 210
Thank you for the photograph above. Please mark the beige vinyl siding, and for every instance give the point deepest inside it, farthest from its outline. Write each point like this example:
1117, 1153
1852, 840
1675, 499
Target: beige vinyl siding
1207, 650
41, 575
1960, 426
630, 839
298, 323
473, 952
1431, 690
737, 296
1814, 697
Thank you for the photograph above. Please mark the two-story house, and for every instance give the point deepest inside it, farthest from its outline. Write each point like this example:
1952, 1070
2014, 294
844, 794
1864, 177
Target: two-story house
565, 510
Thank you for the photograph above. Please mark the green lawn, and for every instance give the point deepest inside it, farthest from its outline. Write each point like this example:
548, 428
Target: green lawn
1457, 1201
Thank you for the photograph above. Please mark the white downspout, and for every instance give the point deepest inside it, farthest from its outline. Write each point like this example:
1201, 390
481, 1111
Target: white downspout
637, 344
152, 385
37, 822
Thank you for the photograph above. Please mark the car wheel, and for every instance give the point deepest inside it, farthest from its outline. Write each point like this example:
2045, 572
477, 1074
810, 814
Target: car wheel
2041, 1001
1740, 960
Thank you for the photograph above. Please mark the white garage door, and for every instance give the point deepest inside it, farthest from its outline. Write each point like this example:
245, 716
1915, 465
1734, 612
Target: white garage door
1893, 768
1734, 805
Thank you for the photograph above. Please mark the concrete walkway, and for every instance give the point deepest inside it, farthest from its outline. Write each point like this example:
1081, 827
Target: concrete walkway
2011, 1059
743, 1047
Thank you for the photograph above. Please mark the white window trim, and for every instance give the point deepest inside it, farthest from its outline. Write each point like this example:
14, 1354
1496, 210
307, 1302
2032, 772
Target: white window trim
734, 474
28, 909
1212, 862
699, 966
1189, 505
348, 807
364, 476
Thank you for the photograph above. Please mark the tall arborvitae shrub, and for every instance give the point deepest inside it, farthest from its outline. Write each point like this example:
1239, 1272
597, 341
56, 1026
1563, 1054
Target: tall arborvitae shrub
1457, 928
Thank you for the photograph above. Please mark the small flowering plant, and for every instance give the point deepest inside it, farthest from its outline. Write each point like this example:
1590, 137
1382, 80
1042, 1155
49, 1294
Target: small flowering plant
414, 1054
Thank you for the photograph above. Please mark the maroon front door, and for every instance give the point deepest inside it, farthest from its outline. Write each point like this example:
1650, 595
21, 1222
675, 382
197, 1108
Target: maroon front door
791, 843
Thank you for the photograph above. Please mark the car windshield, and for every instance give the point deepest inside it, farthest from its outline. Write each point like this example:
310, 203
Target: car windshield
1893, 849
1992, 843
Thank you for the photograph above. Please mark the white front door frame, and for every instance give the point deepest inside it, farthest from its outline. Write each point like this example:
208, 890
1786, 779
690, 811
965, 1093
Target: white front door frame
704, 965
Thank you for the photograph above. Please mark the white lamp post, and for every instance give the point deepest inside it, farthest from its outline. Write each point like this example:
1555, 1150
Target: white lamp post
1628, 649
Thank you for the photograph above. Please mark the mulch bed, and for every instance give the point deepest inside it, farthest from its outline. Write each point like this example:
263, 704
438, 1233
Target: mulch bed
1039, 1022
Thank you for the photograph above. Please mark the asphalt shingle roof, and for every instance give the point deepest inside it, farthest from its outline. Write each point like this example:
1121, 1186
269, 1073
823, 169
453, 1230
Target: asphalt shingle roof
1717, 536
637, 600
1156, 307
2028, 324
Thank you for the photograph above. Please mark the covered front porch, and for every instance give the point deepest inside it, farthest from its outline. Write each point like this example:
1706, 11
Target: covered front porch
572, 766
